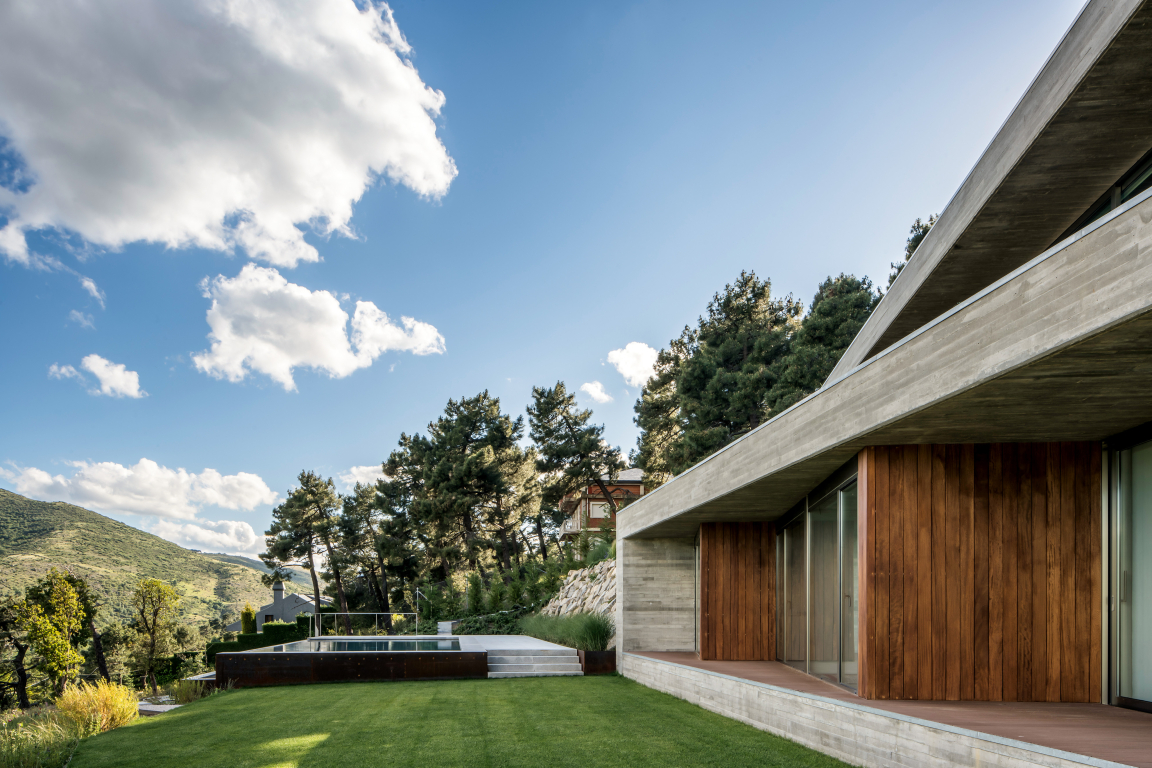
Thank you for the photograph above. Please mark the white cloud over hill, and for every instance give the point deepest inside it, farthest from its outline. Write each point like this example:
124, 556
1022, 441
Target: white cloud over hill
146, 488
261, 322
220, 124
233, 536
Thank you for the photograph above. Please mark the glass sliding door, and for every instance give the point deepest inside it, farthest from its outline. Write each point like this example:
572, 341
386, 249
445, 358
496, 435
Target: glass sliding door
818, 597
1132, 576
849, 588
824, 588
796, 595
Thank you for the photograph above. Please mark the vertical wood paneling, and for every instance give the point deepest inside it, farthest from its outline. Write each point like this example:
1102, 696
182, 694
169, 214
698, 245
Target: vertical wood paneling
996, 574
1039, 466
939, 590
924, 570
980, 558
738, 591
896, 514
981, 572
967, 578
883, 675
866, 511
911, 608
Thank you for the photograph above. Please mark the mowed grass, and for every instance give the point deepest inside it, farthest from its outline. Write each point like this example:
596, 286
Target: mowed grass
554, 722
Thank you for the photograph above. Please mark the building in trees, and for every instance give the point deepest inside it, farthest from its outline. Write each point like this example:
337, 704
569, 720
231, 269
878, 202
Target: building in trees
282, 608
587, 509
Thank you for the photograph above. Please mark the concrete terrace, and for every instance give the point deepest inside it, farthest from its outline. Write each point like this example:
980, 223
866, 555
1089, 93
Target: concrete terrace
782, 700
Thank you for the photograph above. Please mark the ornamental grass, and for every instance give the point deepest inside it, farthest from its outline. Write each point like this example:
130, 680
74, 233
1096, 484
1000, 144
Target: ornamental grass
100, 706
582, 631
38, 738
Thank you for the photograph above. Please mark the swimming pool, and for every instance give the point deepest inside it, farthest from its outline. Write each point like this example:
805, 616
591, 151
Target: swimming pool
355, 645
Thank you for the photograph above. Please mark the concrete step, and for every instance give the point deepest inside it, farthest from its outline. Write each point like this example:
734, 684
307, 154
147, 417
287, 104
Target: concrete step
494, 675
534, 668
532, 652
533, 659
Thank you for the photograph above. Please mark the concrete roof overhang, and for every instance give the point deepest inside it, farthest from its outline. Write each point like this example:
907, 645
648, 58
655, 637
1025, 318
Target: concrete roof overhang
1083, 122
1060, 349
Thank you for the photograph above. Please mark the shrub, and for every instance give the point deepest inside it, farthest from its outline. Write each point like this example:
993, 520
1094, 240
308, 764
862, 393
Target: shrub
187, 691
248, 620
38, 738
583, 631
98, 707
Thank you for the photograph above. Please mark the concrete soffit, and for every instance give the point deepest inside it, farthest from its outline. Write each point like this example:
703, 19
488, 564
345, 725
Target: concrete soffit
1004, 350
1080, 125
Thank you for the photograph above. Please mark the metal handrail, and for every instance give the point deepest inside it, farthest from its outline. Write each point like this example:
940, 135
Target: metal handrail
318, 620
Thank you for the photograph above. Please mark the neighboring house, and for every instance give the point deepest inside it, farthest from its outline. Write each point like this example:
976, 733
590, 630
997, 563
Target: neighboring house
282, 608
588, 508
964, 510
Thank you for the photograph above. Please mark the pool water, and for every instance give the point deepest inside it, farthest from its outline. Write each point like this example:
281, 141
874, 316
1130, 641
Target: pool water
318, 645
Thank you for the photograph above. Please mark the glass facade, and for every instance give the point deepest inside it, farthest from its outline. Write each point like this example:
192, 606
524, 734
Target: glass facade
1132, 573
818, 577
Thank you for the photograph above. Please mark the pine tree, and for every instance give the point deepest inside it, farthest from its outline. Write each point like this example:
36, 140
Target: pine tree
916, 234
839, 310
572, 452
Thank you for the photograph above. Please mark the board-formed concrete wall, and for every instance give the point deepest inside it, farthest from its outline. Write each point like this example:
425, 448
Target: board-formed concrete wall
856, 734
656, 594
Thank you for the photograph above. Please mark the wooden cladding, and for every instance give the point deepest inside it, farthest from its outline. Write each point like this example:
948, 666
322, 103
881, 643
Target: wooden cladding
981, 570
738, 591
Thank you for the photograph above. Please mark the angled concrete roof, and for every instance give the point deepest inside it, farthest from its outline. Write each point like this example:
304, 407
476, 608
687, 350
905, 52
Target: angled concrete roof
1083, 122
1057, 350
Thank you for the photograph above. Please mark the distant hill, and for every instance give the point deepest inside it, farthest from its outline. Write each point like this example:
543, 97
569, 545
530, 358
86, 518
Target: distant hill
36, 535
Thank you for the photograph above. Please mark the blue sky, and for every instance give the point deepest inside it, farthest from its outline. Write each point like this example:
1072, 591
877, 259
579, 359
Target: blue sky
616, 164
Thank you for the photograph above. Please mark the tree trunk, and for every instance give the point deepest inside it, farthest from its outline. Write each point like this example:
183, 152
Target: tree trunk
21, 675
98, 650
506, 561
315, 589
469, 535
604, 490
540, 535
385, 605
339, 587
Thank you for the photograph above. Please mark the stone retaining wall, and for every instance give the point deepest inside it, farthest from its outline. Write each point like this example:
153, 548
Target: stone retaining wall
592, 590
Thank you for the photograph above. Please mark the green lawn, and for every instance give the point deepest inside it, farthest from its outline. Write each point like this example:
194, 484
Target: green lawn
583, 722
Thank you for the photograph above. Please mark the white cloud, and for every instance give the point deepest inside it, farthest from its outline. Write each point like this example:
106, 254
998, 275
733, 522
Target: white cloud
368, 475
85, 321
261, 322
635, 362
595, 390
146, 488
64, 372
220, 124
115, 379
232, 536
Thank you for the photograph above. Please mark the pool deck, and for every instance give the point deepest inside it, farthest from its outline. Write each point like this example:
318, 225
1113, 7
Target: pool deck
506, 643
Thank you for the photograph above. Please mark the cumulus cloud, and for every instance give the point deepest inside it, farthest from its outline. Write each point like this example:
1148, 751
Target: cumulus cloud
219, 124
635, 362
595, 390
261, 322
85, 321
367, 475
115, 379
233, 536
146, 488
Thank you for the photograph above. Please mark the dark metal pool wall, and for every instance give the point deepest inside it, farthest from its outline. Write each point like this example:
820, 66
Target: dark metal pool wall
247, 670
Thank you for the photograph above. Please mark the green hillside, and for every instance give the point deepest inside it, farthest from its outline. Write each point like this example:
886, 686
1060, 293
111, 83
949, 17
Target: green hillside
36, 535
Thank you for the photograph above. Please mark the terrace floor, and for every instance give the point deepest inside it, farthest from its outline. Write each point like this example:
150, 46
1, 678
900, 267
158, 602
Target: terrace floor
1094, 730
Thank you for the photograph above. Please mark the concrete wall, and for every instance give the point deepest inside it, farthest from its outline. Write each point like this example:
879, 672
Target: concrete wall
856, 734
656, 595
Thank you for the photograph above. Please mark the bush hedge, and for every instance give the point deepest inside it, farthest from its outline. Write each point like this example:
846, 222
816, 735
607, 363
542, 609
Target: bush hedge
273, 633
